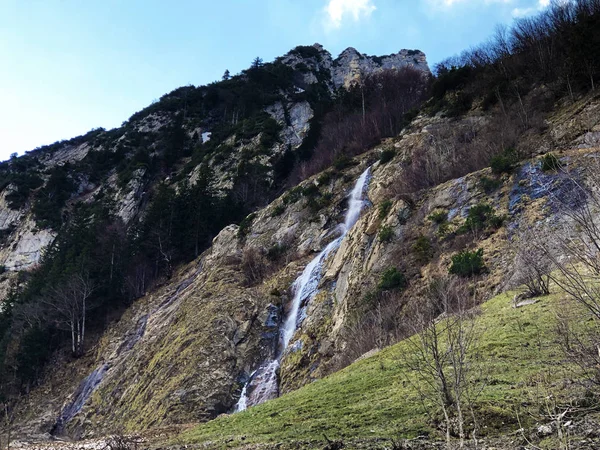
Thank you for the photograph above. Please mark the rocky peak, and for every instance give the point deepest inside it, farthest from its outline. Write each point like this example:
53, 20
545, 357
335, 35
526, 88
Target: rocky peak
349, 65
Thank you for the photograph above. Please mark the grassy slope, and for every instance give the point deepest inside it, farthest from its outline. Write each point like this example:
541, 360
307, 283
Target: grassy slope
372, 400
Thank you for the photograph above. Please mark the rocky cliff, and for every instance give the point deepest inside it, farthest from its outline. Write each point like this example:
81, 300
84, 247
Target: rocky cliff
184, 352
104, 162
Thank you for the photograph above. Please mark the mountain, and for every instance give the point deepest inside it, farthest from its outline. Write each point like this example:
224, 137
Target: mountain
108, 218
321, 253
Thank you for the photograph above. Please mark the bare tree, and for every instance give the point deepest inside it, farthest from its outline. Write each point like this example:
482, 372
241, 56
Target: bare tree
254, 265
440, 358
69, 303
574, 250
8, 413
575, 245
532, 266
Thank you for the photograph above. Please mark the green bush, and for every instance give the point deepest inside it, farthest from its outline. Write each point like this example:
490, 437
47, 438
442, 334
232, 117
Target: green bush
317, 203
392, 279
551, 163
293, 195
423, 249
403, 216
342, 162
278, 210
386, 233
504, 162
245, 226
438, 217
481, 216
276, 251
387, 155
312, 190
324, 178
467, 263
384, 209
489, 184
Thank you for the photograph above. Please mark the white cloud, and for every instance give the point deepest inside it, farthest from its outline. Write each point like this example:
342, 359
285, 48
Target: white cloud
337, 10
522, 12
449, 3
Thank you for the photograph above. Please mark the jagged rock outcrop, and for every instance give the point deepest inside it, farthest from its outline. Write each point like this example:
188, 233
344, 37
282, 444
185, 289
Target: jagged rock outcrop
351, 64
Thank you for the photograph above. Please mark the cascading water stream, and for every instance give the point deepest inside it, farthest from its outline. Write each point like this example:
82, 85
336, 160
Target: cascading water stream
263, 383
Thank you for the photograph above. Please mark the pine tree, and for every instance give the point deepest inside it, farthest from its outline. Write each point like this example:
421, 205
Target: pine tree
226, 75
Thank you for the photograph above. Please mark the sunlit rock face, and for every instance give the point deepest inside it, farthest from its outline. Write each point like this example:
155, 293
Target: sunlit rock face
351, 64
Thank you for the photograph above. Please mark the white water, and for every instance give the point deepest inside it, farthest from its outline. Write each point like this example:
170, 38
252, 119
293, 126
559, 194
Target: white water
264, 381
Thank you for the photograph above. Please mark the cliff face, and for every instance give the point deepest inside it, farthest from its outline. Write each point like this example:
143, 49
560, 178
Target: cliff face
201, 333
184, 352
127, 180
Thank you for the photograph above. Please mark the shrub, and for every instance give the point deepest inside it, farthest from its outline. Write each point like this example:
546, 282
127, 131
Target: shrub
254, 266
387, 155
403, 216
293, 195
481, 216
324, 178
504, 162
245, 226
438, 217
423, 249
278, 210
316, 203
312, 190
551, 163
391, 279
276, 251
489, 184
341, 162
384, 208
386, 233
467, 263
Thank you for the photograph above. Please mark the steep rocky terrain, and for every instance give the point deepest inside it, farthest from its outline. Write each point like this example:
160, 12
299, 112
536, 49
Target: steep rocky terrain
262, 237
182, 353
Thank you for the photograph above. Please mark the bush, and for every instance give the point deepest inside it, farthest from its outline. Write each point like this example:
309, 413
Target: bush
467, 263
342, 162
423, 249
293, 195
278, 210
391, 279
387, 155
312, 190
324, 178
481, 216
384, 209
438, 217
276, 251
504, 162
489, 184
254, 266
245, 226
550, 163
386, 233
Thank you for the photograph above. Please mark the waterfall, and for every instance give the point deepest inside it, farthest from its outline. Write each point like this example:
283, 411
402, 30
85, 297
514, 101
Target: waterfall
263, 384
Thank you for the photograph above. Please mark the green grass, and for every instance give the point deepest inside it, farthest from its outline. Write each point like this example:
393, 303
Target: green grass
371, 399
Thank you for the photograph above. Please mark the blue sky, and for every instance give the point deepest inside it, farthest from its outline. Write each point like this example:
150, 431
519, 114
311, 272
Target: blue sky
68, 66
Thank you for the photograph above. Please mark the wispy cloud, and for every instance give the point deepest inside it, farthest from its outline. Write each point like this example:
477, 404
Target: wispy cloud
337, 11
449, 3
522, 12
